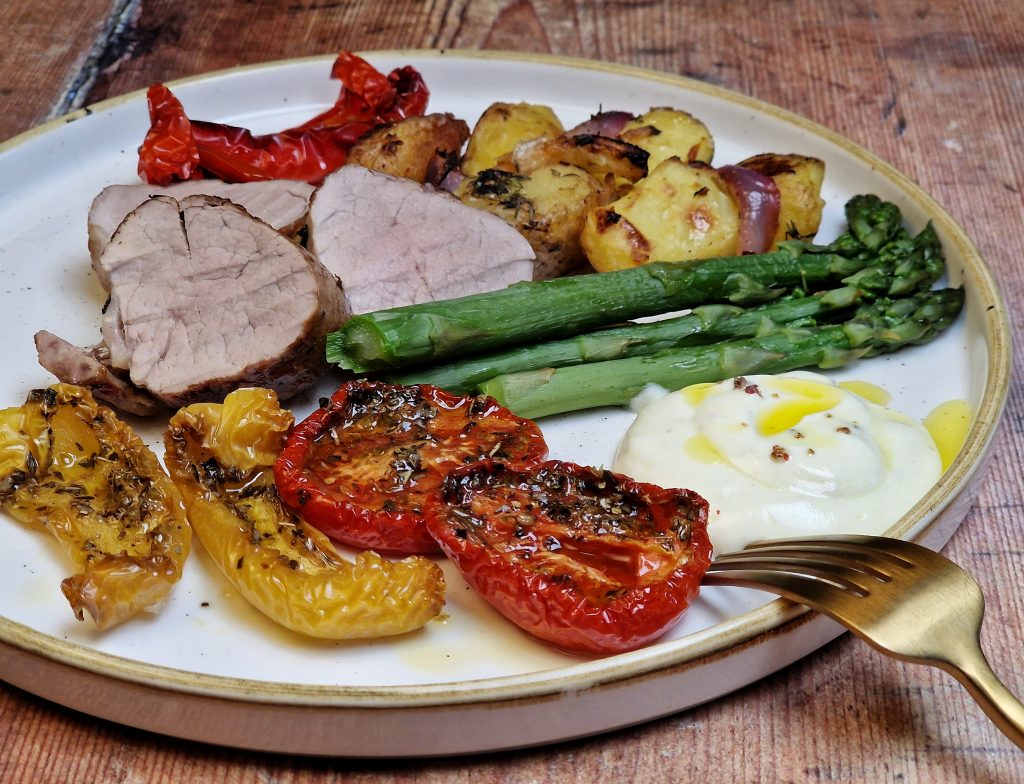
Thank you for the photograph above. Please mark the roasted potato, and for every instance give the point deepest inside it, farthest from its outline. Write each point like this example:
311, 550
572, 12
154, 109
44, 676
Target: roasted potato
679, 211
799, 180
548, 207
501, 128
600, 156
670, 132
408, 148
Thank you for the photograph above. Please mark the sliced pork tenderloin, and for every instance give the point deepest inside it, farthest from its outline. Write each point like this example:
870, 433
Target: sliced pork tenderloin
205, 298
87, 367
396, 242
281, 203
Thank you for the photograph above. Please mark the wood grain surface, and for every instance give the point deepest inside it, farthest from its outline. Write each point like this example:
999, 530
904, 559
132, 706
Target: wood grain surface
935, 87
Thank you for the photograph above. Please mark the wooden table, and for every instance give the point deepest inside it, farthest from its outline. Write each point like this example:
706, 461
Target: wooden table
932, 86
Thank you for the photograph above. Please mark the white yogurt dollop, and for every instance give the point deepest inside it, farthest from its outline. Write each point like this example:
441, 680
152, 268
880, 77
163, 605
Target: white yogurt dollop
779, 456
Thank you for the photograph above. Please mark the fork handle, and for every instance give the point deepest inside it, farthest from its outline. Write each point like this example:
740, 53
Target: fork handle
1001, 706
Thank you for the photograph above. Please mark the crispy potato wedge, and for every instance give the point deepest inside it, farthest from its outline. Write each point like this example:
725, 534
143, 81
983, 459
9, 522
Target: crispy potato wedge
665, 133
408, 148
548, 207
799, 180
501, 128
679, 211
600, 156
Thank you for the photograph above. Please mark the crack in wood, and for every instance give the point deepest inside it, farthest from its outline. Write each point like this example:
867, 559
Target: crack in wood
109, 46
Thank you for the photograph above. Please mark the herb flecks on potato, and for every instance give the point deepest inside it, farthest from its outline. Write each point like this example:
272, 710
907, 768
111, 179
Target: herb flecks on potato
665, 133
548, 207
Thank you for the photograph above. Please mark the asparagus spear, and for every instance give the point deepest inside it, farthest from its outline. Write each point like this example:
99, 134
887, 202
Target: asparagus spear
704, 324
876, 328
902, 266
534, 311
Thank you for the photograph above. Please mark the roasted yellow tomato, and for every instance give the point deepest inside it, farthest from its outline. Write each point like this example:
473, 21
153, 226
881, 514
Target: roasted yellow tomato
221, 456
70, 466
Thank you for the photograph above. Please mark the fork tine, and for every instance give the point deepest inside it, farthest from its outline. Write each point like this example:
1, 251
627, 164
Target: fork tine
804, 560
895, 551
923, 608
816, 594
839, 574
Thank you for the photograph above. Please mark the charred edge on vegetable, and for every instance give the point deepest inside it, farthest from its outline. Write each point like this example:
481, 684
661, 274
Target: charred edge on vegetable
387, 406
440, 165
47, 398
210, 474
635, 155
407, 464
770, 165
594, 503
13, 482
495, 183
479, 406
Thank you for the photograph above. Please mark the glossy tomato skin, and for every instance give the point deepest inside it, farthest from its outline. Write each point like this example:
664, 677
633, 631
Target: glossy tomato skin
361, 467
588, 560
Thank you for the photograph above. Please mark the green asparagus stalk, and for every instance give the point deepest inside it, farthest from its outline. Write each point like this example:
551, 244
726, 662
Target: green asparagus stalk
876, 328
902, 266
528, 312
702, 325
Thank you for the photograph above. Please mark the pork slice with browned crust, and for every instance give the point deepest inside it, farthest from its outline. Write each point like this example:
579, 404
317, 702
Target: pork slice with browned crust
205, 298
283, 204
87, 367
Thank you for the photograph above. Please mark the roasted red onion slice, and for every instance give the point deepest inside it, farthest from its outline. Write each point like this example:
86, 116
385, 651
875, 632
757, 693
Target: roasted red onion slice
451, 180
603, 124
439, 166
758, 198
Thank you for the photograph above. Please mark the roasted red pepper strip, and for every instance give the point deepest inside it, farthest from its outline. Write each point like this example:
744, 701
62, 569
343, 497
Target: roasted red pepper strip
169, 152
759, 201
369, 96
585, 559
235, 154
361, 467
178, 149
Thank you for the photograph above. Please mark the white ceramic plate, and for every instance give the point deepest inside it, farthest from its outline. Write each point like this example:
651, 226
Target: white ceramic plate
209, 667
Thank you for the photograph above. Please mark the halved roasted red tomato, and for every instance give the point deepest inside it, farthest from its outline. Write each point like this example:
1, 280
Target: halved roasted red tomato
361, 467
585, 559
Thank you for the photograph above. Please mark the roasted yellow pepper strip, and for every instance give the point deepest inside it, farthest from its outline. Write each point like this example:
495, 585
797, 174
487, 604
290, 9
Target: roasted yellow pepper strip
221, 457
70, 466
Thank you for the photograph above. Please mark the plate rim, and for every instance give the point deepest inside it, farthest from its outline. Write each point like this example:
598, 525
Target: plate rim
772, 618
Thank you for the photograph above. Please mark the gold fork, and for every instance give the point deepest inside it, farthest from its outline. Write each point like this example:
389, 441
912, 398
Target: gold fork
904, 599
